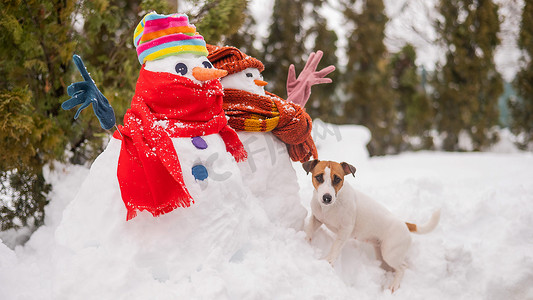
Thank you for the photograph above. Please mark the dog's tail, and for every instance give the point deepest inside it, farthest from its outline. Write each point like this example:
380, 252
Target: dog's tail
428, 227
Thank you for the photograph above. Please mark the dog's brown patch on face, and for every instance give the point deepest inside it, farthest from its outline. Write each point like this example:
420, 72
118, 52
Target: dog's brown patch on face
336, 174
318, 173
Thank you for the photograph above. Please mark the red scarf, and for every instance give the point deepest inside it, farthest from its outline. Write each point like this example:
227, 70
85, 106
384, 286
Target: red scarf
165, 106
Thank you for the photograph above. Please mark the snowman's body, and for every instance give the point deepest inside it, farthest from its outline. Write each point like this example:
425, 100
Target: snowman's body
221, 208
268, 171
269, 174
222, 170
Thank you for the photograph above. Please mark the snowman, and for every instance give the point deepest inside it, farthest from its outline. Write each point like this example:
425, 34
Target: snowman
175, 144
274, 131
175, 149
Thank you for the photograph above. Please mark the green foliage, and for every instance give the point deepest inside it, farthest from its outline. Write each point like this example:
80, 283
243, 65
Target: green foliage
36, 41
522, 107
468, 86
28, 189
105, 44
324, 102
370, 98
245, 37
15, 128
413, 105
218, 18
284, 45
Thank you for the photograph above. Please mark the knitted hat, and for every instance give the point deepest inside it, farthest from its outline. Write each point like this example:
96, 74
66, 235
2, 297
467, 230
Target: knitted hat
158, 36
232, 59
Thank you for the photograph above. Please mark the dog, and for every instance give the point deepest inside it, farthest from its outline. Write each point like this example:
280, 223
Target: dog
351, 214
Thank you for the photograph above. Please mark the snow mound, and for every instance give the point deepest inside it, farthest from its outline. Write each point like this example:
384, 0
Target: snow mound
228, 246
341, 142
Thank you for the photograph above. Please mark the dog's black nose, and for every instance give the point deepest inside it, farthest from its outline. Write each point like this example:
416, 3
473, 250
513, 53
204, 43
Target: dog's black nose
326, 198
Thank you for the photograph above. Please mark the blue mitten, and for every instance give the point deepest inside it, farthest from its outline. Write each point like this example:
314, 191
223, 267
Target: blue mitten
85, 93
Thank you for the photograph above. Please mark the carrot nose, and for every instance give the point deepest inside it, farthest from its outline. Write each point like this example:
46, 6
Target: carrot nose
204, 74
260, 82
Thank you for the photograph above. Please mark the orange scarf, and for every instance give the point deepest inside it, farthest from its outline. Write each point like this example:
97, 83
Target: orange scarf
287, 121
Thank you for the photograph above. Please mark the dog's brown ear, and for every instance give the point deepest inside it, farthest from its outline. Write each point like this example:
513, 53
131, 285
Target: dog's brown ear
310, 165
348, 168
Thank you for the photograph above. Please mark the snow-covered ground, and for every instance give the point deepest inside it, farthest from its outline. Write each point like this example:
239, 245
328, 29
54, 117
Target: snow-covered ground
229, 249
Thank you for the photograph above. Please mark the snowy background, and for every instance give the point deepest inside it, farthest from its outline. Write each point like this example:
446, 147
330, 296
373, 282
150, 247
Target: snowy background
233, 249
228, 249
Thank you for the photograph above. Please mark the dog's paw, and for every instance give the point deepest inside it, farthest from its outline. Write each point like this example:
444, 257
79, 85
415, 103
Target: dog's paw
330, 260
394, 287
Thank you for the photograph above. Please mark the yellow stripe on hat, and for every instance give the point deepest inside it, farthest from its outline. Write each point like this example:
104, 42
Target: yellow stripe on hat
201, 50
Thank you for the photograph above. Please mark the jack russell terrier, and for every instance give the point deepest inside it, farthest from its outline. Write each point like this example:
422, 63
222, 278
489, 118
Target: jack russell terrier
351, 214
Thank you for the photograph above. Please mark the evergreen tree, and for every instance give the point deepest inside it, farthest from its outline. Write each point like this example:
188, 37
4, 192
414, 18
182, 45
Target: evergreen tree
245, 37
415, 113
370, 98
284, 45
522, 107
324, 101
36, 49
468, 86
38, 39
219, 18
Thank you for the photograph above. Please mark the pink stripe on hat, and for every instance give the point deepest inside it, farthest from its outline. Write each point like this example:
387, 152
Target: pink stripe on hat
158, 24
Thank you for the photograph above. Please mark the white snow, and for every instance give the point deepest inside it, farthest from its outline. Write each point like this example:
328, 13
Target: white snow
228, 247
270, 176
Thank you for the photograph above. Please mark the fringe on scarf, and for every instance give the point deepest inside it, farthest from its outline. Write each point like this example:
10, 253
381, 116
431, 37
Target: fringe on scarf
233, 144
132, 210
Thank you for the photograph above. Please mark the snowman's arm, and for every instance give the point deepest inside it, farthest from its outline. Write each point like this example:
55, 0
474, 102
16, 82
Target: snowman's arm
86, 93
299, 89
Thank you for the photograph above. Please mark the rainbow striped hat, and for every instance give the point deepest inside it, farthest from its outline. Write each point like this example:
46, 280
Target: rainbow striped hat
158, 36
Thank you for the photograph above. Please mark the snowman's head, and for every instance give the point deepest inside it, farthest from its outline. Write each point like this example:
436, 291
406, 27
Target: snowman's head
168, 43
192, 66
244, 72
249, 80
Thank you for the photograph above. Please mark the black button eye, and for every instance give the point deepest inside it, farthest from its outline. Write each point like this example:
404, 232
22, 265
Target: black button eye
249, 75
181, 69
336, 179
207, 65
320, 178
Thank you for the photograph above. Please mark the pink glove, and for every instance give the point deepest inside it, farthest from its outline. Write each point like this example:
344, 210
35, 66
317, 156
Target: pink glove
299, 90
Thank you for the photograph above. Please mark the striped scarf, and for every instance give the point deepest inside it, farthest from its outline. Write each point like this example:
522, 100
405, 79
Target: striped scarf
287, 121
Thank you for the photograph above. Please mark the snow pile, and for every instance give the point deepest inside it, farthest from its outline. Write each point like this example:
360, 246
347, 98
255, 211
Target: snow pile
270, 177
227, 246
